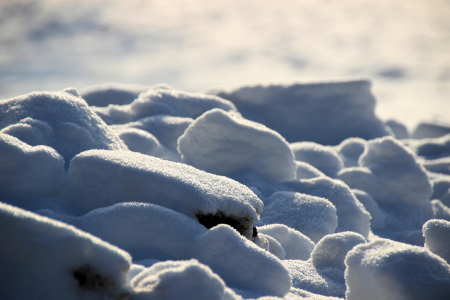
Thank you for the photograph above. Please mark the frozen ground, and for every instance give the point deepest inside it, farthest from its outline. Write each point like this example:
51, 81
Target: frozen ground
403, 46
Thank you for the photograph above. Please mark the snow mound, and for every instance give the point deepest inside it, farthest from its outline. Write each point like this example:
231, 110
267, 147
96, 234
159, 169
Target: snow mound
324, 158
61, 120
431, 148
332, 249
385, 269
174, 280
350, 151
440, 165
25, 169
306, 171
100, 178
352, 216
307, 277
241, 263
44, 259
441, 211
325, 113
223, 143
377, 222
112, 93
167, 129
437, 238
138, 140
296, 245
392, 175
430, 130
399, 129
143, 230
163, 102
313, 216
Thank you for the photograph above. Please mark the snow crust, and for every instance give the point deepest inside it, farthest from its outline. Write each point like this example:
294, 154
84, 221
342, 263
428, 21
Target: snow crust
208, 204
61, 120
223, 143
326, 113
384, 269
44, 259
100, 178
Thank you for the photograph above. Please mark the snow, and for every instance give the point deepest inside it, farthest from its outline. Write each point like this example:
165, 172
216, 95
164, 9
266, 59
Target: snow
44, 259
223, 143
393, 176
192, 280
208, 204
295, 244
112, 93
162, 101
323, 158
431, 130
100, 178
28, 169
385, 269
326, 113
241, 263
61, 120
331, 250
143, 230
313, 216
437, 237
167, 129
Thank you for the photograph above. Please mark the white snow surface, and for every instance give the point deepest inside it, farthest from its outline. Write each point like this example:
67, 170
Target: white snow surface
163, 101
61, 120
232, 219
100, 178
41, 258
326, 113
384, 269
223, 143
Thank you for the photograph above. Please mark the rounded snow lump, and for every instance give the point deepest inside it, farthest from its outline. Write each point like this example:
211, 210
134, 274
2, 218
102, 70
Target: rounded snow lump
437, 237
331, 250
61, 120
223, 143
313, 216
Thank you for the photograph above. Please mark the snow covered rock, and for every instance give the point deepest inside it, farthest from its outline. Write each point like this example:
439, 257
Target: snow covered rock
112, 93
324, 158
296, 245
44, 259
223, 143
61, 120
332, 249
25, 169
242, 264
167, 129
325, 113
100, 178
437, 237
385, 269
313, 216
163, 102
174, 280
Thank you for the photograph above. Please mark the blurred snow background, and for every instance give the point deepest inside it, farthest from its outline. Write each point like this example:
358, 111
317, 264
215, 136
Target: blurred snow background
402, 45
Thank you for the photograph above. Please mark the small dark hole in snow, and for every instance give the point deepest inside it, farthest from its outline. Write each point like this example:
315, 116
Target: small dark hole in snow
210, 220
89, 279
255, 232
